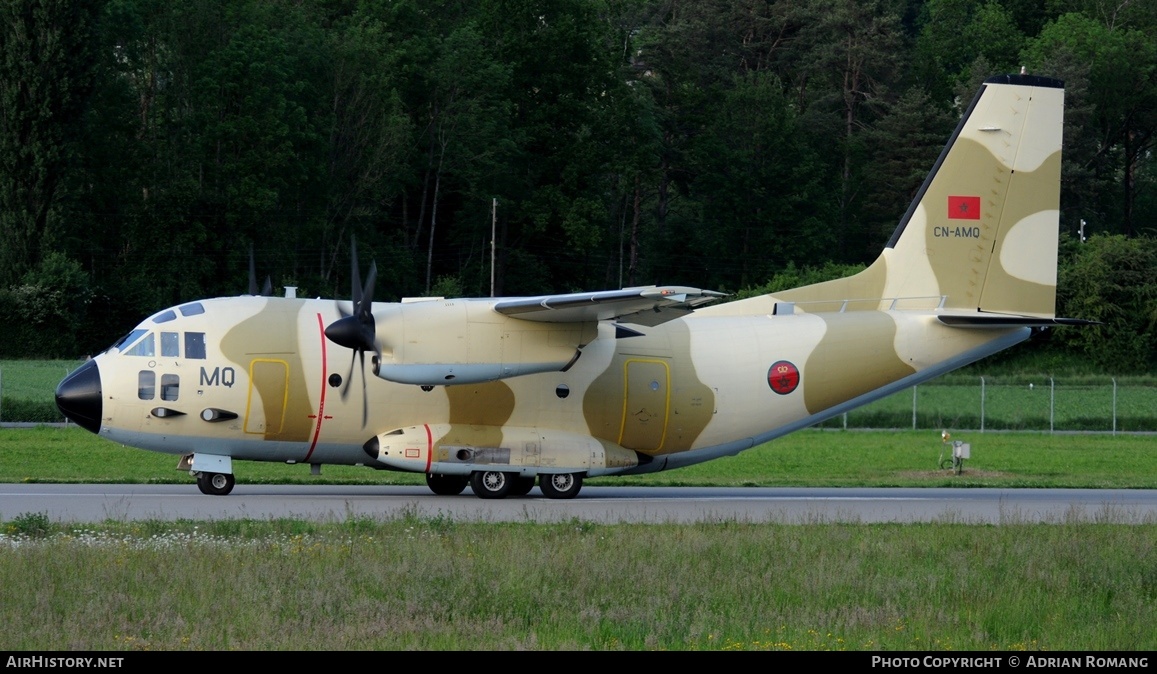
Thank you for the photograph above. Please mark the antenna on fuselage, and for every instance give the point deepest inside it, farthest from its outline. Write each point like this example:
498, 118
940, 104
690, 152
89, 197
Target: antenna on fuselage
267, 289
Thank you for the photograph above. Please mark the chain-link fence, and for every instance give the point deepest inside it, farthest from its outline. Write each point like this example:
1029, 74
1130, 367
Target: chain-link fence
1041, 405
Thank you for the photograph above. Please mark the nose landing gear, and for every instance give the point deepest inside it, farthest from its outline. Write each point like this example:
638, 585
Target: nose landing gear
215, 484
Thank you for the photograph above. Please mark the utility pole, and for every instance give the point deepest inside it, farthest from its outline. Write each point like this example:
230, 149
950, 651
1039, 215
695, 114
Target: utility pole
493, 228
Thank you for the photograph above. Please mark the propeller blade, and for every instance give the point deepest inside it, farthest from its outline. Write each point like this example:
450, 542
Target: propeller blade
356, 330
345, 388
365, 395
355, 275
368, 292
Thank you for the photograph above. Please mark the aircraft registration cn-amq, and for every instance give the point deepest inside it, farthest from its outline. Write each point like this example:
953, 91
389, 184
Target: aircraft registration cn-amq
500, 392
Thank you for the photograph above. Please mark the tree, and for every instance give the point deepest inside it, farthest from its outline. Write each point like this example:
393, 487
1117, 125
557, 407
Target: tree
1110, 279
1122, 90
757, 182
46, 79
853, 55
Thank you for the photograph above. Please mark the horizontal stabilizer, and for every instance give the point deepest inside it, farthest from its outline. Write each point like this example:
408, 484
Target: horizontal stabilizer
1001, 321
646, 304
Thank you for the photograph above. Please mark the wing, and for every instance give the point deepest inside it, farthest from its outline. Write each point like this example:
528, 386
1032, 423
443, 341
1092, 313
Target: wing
646, 305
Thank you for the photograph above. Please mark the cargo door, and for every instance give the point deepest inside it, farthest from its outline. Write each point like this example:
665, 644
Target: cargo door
268, 396
645, 410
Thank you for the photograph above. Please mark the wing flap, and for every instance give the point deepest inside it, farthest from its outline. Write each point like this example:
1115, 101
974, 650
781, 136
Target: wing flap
647, 305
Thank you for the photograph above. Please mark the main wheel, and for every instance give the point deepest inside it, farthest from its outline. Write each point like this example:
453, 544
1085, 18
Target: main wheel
446, 485
560, 485
491, 483
521, 486
215, 484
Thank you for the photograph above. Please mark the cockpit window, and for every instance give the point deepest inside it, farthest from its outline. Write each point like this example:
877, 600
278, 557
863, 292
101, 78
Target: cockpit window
145, 347
195, 345
192, 309
165, 316
170, 344
129, 339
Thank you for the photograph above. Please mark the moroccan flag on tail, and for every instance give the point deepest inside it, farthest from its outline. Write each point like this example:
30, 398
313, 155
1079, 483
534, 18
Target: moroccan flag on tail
963, 208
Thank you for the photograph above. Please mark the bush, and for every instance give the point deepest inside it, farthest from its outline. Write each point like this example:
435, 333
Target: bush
32, 411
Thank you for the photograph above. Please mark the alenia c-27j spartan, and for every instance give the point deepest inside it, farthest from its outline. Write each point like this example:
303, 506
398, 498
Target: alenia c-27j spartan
499, 392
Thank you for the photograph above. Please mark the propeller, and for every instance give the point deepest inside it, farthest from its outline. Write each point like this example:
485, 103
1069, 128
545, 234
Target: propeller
355, 331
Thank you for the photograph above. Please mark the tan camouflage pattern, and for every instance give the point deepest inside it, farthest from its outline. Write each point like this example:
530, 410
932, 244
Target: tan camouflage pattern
682, 391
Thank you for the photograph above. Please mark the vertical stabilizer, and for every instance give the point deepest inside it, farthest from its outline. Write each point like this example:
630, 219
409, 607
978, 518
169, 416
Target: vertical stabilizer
983, 229
981, 234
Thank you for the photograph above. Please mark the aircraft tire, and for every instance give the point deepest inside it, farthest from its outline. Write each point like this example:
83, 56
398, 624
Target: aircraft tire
491, 483
560, 485
215, 484
446, 485
521, 486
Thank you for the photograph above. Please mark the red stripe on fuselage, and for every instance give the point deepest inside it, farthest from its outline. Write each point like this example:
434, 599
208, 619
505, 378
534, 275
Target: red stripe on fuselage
429, 447
321, 400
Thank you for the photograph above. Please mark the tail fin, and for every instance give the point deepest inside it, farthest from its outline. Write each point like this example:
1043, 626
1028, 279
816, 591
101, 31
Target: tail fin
981, 234
983, 228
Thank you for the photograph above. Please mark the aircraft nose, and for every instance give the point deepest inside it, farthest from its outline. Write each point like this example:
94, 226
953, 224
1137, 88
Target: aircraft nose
78, 396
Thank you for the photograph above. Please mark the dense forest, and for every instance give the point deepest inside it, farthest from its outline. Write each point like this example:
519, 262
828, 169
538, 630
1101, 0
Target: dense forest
147, 146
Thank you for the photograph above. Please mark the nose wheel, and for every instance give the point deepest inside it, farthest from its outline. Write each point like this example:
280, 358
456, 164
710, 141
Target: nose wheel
215, 484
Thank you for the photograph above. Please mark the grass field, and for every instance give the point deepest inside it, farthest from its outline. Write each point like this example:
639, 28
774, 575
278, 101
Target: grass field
27, 388
432, 583
806, 458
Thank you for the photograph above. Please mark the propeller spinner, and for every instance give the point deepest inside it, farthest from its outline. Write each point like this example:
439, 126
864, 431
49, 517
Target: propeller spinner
356, 331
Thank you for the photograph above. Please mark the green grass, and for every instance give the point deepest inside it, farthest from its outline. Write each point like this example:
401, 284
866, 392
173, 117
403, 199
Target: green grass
432, 583
806, 458
413, 583
27, 388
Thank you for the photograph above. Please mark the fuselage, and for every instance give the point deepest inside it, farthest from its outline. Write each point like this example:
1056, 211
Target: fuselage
254, 378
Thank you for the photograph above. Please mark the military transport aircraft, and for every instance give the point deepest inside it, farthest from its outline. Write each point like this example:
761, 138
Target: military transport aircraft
500, 392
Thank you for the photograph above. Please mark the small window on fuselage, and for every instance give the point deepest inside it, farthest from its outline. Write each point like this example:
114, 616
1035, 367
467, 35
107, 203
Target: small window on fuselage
146, 385
170, 387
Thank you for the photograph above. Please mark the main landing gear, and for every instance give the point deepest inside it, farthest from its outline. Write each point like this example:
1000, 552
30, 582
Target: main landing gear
446, 485
215, 484
494, 484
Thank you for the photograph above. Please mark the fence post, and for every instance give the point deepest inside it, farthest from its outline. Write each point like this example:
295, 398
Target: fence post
982, 404
913, 408
1052, 402
1114, 405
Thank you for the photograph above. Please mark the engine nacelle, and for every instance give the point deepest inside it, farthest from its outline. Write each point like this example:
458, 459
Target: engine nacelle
444, 342
461, 449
